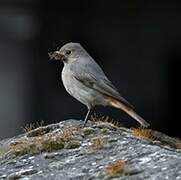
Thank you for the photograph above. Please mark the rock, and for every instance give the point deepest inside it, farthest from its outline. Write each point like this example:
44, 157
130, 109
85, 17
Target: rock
100, 151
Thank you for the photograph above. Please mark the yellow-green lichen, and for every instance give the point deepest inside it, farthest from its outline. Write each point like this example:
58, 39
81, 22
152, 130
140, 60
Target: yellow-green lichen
72, 144
51, 141
3, 150
88, 131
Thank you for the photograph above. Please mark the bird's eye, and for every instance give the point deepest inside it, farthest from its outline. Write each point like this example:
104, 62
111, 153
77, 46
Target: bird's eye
68, 52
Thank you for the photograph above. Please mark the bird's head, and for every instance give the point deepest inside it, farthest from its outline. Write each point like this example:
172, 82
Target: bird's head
68, 53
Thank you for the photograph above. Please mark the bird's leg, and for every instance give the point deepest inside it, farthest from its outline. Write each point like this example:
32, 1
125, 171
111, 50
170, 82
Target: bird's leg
87, 116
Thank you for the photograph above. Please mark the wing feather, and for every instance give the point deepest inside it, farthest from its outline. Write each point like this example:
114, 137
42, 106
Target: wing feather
91, 75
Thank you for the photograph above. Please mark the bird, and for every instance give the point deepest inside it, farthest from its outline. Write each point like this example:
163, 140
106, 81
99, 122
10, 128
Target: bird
84, 79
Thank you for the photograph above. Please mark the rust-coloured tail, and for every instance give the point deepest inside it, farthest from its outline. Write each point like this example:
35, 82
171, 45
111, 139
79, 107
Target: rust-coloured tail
117, 104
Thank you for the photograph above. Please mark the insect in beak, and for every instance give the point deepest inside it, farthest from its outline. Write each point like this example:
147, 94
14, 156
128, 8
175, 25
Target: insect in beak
56, 55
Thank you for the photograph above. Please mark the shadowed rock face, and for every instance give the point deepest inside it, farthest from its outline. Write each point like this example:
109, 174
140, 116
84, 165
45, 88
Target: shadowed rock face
88, 153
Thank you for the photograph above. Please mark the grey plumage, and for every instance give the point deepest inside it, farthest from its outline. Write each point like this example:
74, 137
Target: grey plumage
85, 80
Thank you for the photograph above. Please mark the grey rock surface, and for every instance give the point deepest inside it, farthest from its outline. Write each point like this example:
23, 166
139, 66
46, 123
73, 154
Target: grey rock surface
146, 159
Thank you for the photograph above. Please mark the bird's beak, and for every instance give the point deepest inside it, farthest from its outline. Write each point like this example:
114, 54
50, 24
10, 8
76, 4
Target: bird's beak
56, 55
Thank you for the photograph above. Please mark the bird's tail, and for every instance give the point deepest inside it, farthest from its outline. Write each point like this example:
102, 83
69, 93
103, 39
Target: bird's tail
117, 104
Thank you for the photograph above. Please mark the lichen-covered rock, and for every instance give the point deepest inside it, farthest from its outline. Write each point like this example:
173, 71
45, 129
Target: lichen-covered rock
65, 151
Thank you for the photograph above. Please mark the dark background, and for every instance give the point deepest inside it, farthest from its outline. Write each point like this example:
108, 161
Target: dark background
136, 43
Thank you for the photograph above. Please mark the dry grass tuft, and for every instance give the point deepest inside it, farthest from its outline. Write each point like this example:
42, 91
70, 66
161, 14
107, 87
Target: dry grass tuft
31, 126
106, 119
142, 133
178, 143
98, 143
116, 168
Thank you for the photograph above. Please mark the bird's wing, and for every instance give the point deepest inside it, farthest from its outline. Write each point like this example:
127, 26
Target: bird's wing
91, 75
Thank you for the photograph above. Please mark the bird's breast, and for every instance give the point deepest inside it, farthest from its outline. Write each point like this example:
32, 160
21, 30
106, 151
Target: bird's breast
67, 78
78, 90
71, 84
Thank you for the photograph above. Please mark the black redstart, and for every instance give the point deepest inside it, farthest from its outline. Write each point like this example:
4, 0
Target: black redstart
85, 80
